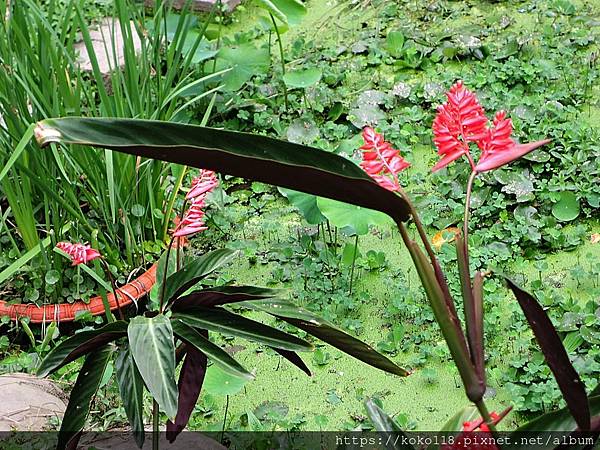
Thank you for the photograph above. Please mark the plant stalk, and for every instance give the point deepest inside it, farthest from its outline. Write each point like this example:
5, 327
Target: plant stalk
282, 56
155, 426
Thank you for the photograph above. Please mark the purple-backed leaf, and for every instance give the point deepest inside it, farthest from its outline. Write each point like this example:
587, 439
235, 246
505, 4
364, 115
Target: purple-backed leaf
222, 295
478, 351
556, 356
190, 384
295, 359
499, 159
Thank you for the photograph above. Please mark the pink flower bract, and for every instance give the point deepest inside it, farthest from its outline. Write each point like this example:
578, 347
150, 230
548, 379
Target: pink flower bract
193, 219
381, 161
458, 121
79, 253
461, 120
498, 148
205, 182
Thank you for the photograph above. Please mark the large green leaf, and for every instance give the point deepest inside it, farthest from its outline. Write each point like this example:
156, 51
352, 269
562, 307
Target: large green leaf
193, 272
83, 392
250, 156
153, 349
222, 321
287, 11
321, 329
219, 356
131, 388
80, 344
359, 219
245, 61
306, 204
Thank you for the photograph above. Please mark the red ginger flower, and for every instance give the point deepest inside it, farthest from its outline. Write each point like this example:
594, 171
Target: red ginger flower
79, 253
497, 146
205, 182
380, 160
193, 219
458, 121
461, 120
475, 435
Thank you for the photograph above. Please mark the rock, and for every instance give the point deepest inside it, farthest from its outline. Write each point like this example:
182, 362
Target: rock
27, 402
107, 41
201, 5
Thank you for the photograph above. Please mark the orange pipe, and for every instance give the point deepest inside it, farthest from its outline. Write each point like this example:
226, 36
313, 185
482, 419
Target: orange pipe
65, 312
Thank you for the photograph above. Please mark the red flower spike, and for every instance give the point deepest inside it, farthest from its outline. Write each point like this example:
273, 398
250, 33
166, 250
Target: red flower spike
193, 219
498, 148
458, 121
380, 160
79, 253
475, 435
205, 182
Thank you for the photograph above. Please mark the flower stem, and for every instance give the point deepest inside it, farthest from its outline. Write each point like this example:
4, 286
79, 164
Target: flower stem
282, 56
467, 214
482, 408
155, 426
164, 278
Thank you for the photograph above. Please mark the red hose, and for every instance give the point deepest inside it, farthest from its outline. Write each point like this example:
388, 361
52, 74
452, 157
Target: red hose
65, 312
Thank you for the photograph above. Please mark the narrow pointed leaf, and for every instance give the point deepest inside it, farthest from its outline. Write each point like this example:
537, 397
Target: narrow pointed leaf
471, 324
195, 271
153, 349
295, 359
189, 385
448, 324
222, 321
86, 386
223, 295
315, 326
80, 344
385, 424
254, 157
216, 354
131, 388
556, 356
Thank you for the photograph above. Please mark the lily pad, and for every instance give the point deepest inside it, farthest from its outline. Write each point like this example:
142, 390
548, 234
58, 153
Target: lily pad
567, 208
301, 79
218, 382
302, 131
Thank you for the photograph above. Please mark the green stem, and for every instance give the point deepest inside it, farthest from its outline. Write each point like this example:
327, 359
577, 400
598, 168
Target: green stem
225, 418
353, 262
169, 210
165, 273
155, 426
485, 415
466, 218
281, 53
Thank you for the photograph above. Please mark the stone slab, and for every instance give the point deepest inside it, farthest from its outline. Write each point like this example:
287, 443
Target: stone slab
107, 40
27, 402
